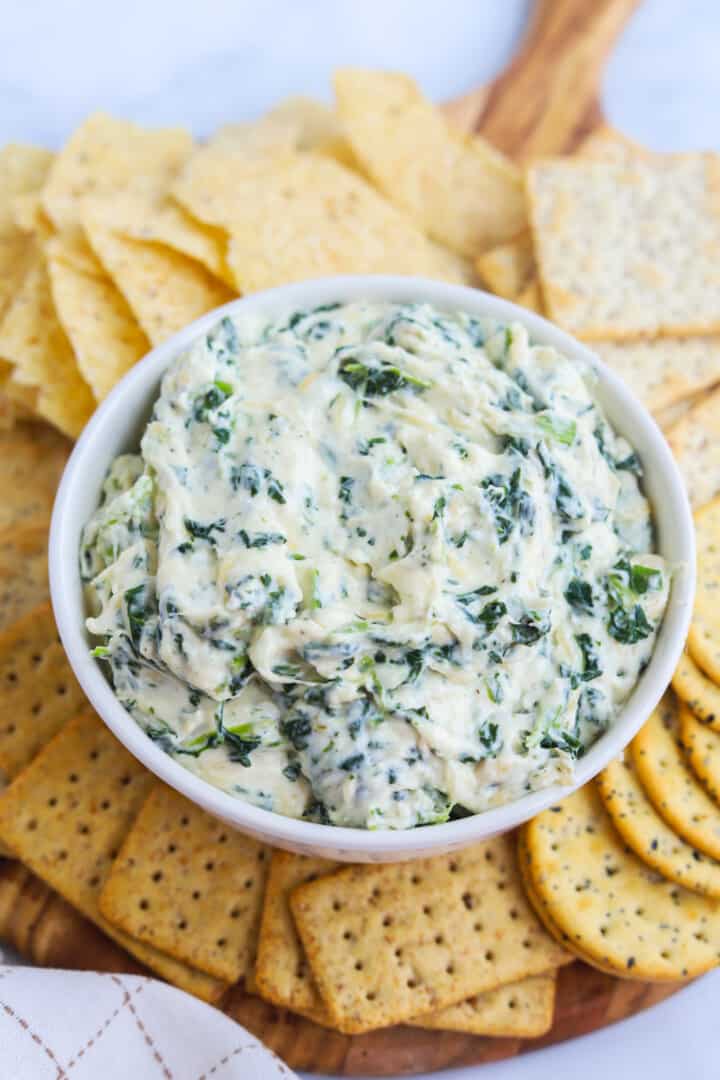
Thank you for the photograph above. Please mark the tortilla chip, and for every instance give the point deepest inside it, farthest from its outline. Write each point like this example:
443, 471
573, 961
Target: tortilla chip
32, 339
102, 329
508, 268
32, 458
297, 216
104, 156
458, 189
22, 169
164, 289
629, 249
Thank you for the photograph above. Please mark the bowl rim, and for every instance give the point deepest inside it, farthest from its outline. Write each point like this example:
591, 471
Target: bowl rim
349, 843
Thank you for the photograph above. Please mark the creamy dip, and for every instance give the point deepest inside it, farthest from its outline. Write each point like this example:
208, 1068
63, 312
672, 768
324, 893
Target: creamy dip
375, 565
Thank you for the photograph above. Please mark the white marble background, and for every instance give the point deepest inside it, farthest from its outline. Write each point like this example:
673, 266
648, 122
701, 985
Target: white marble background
207, 62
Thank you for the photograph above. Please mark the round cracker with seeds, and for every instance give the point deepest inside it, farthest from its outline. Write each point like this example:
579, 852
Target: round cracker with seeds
649, 836
702, 746
697, 691
704, 635
615, 911
670, 784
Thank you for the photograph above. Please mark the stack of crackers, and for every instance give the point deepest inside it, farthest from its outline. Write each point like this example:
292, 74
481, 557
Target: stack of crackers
126, 235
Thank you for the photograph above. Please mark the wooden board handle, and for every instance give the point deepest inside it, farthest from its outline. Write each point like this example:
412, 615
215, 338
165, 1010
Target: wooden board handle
548, 97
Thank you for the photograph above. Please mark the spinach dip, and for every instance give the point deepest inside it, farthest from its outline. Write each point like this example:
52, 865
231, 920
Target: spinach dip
375, 565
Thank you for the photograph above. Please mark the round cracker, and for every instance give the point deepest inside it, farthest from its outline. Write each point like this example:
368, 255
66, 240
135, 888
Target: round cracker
702, 746
704, 635
694, 688
649, 836
670, 784
615, 911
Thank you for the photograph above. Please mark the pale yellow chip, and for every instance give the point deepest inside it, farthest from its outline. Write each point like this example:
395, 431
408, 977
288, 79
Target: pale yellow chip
663, 371
22, 172
648, 834
457, 189
697, 691
670, 784
106, 337
520, 1010
29, 214
299, 216
704, 636
613, 910
627, 249
695, 442
106, 155
508, 268
390, 943
151, 214
164, 289
22, 169
32, 339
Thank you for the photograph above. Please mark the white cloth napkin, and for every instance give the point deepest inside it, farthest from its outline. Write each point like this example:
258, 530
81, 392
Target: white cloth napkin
77, 1025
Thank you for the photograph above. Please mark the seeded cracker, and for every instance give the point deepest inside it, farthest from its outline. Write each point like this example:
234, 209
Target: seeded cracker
282, 973
456, 188
613, 908
702, 746
602, 233
670, 784
695, 442
102, 329
32, 458
38, 691
521, 1010
164, 289
388, 943
23, 570
189, 885
704, 636
65, 817
697, 691
649, 836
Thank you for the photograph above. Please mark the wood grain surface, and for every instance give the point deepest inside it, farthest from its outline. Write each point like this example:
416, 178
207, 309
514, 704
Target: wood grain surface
545, 102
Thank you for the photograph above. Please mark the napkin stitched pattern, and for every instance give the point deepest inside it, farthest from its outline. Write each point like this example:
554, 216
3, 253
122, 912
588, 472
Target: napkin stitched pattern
69, 1025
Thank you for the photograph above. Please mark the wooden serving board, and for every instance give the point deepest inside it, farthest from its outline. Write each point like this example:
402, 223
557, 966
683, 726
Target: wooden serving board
545, 102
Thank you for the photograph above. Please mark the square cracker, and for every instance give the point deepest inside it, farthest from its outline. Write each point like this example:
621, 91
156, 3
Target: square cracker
458, 189
695, 442
626, 249
189, 885
66, 815
164, 289
663, 371
282, 973
32, 458
520, 1010
106, 155
23, 570
34, 342
389, 943
38, 691
105, 336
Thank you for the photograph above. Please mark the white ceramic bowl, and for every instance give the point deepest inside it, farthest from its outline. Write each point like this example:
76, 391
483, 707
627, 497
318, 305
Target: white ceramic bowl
117, 426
